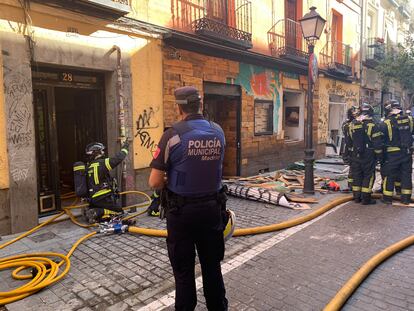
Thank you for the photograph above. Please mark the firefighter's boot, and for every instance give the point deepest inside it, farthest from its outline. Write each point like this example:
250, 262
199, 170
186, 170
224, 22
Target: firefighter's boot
367, 200
357, 196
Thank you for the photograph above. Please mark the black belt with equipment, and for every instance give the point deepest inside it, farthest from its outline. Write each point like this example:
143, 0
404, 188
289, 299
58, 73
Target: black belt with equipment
171, 200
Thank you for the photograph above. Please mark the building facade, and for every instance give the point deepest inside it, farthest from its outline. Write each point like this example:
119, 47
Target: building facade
67, 77
386, 24
63, 87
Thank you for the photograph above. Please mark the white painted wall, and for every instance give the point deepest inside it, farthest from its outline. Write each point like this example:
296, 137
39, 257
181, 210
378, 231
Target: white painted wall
295, 99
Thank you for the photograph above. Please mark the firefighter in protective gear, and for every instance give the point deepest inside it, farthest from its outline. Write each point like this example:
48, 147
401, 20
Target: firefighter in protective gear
191, 154
398, 140
103, 195
388, 109
366, 138
346, 156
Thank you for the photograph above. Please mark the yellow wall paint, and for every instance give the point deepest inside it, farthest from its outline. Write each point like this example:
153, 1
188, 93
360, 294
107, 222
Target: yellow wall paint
351, 27
147, 94
350, 93
4, 163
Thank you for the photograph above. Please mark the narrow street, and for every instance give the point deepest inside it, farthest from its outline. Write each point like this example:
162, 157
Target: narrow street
300, 268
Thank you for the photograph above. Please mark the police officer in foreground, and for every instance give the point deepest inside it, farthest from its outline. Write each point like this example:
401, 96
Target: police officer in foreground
346, 156
191, 153
103, 193
398, 140
366, 138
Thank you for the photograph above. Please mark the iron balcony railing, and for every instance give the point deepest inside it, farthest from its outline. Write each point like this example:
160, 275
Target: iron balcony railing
337, 57
374, 51
228, 21
285, 40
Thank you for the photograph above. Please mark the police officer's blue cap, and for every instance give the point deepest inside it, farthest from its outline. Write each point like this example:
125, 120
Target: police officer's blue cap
186, 95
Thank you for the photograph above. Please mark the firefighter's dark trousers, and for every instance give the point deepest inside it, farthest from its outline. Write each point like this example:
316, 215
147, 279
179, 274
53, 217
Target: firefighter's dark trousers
363, 171
104, 206
398, 169
190, 227
350, 177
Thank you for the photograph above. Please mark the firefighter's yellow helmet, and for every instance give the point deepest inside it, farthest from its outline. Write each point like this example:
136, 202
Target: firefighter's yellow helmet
231, 224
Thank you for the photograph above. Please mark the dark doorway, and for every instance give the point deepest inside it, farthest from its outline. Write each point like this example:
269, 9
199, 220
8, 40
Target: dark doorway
68, 116
222, 104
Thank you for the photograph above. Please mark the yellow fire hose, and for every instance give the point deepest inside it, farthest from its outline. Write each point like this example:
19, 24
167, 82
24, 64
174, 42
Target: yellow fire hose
262, 229
352, 284
46, 271
44, 265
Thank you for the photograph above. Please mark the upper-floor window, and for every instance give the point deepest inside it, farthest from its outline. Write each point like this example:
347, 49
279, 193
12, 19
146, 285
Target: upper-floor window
230, 20
337, 26
293, 9
234, 13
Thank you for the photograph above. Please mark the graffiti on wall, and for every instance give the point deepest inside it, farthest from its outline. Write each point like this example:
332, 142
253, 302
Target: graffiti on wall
262, 83
145, 122
17, 90
20, 167
333, 91
18, 94
349, 95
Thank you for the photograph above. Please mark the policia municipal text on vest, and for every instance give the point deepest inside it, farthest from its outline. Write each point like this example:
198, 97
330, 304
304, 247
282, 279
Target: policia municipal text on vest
397, 167
366, 138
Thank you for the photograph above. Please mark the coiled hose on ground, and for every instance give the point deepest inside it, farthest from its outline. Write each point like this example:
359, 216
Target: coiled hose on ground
47, 267
47, 270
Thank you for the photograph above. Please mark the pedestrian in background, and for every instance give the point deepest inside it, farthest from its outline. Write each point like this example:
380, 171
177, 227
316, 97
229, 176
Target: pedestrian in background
191, 154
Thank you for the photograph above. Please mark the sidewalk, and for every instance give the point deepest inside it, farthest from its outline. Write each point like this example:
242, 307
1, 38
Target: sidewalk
296, 269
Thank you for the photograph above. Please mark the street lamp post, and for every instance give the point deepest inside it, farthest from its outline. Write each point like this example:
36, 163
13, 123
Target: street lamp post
312, 25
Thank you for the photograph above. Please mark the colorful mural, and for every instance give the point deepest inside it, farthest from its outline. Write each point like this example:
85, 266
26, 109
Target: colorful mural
263, 83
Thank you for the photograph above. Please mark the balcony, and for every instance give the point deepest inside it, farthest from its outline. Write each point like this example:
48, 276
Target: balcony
375, 52
224, 21
112, 9
336, 57
285, 40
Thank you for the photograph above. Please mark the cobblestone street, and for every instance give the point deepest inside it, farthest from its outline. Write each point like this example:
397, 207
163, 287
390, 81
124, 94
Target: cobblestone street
300, 268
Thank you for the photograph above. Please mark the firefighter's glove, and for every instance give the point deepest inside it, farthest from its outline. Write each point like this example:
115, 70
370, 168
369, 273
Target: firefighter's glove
125, 145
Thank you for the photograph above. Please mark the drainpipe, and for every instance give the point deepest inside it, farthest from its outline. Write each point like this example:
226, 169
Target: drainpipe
121, 115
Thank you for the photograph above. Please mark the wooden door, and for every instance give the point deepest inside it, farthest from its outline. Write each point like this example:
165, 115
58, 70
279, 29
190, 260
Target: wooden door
231, 13
290, 26
336, 37
216, 9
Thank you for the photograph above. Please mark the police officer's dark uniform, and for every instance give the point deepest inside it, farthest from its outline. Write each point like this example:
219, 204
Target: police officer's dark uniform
191, 153
398, 130
347, 154
366, 139
103, 197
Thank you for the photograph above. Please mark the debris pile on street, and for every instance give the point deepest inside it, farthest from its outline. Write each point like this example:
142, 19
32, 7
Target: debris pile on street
284, 187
